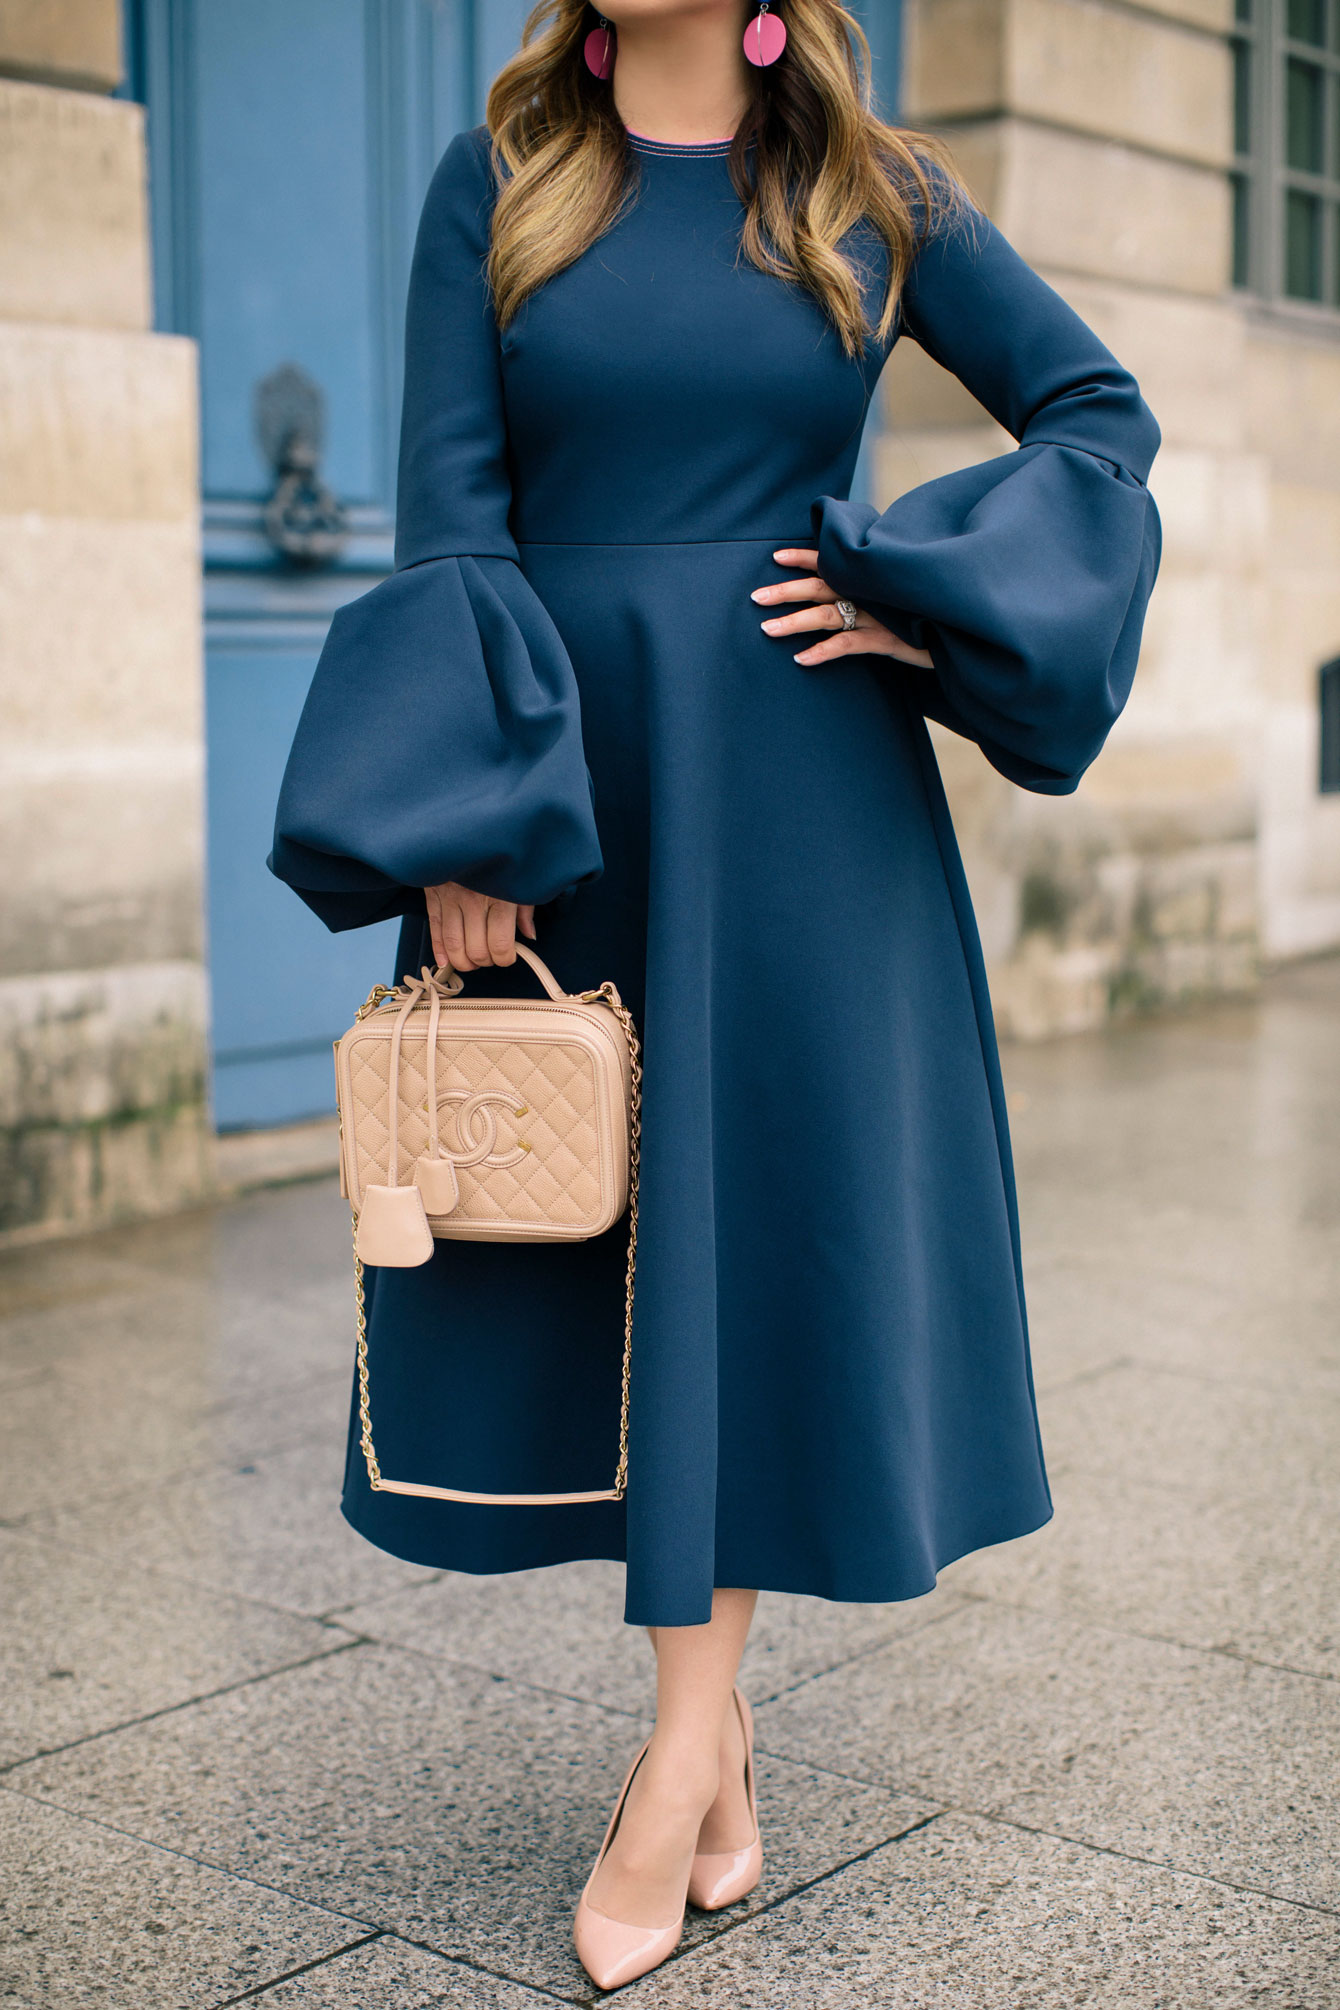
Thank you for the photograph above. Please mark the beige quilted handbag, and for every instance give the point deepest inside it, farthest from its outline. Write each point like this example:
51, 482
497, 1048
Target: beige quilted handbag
487, 1120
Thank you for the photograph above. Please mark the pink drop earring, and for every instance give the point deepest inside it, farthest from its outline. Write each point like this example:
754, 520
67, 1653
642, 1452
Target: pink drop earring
598, 50
764, 38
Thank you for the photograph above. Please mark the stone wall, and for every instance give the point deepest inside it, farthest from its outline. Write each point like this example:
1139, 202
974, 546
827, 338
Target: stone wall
102, 997
1096, 134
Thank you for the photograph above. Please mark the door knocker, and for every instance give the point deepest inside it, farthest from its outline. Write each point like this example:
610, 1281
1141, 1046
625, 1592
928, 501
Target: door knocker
304, 522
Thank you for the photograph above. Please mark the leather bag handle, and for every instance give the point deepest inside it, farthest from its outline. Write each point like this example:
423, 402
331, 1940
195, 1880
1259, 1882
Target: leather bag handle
444, 975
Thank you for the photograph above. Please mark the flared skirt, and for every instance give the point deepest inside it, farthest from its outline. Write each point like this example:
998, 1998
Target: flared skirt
831, 1390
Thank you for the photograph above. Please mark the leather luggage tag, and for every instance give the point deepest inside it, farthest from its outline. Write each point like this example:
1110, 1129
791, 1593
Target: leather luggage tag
437, 1182
393, 1230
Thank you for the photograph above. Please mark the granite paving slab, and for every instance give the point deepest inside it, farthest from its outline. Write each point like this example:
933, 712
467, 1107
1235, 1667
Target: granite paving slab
1208, 1573
92, 1917
388, 1974
458, 1810
969, 1915
114, 1261
246, 1341
1176, 1430
1199, 1761
1266, 1266
269, 1529
94, 1440
84, 1648
245, 1259
562, 1628
1089, 1310
1201, 1145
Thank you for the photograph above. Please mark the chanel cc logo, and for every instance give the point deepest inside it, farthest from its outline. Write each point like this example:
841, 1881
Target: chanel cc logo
476, 1123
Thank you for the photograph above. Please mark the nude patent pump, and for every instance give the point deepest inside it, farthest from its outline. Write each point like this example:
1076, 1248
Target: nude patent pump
610, 1950
720, 1877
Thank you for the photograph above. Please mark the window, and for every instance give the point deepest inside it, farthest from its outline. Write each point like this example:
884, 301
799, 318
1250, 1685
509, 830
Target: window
1286, 144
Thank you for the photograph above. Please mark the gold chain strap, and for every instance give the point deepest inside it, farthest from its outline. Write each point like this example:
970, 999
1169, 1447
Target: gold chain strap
621, 1012
364, 1408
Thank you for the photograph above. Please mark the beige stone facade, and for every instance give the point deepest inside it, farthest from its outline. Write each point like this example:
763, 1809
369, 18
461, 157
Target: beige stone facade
103, 1108
1096, 134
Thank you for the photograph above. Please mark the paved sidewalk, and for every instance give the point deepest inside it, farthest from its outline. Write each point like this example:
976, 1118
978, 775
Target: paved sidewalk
247, 1756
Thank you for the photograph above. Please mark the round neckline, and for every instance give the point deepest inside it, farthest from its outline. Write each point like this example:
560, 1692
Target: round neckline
643, 143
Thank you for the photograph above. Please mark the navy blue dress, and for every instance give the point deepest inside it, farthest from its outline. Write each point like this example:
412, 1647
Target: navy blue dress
563, 695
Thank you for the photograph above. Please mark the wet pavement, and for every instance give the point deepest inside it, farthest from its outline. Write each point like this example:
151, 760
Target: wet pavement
247, 1757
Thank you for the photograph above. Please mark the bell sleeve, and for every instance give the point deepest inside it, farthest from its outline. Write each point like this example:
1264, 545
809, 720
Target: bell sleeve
1025, 578
441, 736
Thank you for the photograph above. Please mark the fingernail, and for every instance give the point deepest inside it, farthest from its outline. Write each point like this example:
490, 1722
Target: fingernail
776, 621
804, 656
760, 593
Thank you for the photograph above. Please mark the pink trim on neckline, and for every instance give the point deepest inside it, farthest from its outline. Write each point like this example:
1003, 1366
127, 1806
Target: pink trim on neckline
720, 141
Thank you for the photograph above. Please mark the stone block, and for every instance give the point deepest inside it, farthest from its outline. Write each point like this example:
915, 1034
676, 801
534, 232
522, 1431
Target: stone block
1137, 891
1215, 509
170, 1386
1199, 1436
1215, 17
117, 875
1300, 850
1124, 76
977, 1915
1091, 1309
67, 1611
1290, 395
1304, 528
1044, 990
100, 635
99, 1918
101, 686
65, 1180
1194, 928
92, 1046
96, 423
1199, 665
904, 457
1083, 64
954, 59
1195, 1761
268, 1532
1187, 352
914, 392
73, 224
1176, 791
72, 42
1098, 209
102, 1095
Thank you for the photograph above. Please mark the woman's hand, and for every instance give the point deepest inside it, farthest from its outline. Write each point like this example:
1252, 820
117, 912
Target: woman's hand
470, 930
868, 638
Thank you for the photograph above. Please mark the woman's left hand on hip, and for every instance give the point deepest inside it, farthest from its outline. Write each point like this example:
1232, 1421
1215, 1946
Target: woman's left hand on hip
868, 638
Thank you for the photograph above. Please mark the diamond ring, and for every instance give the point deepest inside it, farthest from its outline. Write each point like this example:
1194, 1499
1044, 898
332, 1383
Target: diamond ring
848, 613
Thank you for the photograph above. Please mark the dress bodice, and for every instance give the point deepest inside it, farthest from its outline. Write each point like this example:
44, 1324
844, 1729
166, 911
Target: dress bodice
664, 390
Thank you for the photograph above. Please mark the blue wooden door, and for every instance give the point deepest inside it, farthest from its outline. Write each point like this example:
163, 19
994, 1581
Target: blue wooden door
290, 144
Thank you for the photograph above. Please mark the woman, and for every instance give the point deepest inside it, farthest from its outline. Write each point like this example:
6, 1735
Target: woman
644, 675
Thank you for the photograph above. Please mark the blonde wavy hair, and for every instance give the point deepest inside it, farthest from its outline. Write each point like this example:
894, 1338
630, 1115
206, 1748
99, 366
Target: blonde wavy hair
810, 160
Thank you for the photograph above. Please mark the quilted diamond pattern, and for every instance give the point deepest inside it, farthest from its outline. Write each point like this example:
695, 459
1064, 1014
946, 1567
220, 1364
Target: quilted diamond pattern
561, 1181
